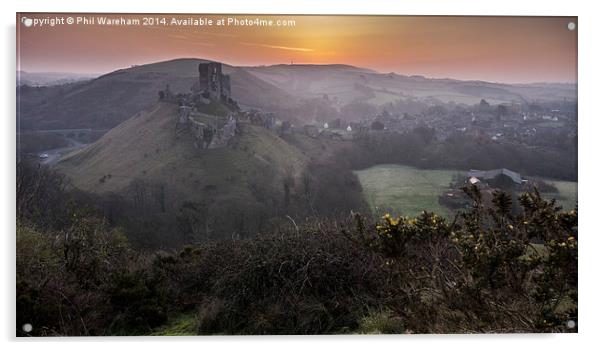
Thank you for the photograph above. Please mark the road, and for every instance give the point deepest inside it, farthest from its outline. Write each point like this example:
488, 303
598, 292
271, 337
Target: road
55, 154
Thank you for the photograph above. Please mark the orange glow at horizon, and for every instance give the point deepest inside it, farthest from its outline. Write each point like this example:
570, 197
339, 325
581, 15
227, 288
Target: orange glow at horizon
502, 49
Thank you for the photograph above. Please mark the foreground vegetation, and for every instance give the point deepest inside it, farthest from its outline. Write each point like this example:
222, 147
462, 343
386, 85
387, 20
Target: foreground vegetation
488, 270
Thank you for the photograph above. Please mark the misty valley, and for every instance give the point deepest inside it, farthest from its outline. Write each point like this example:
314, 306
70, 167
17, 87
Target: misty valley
147, 172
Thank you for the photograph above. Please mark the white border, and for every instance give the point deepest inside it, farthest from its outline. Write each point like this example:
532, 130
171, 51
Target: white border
590, 176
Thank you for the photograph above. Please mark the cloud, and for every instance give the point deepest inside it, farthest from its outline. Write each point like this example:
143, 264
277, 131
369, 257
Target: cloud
198, 43
302, 49
190, 41
176, 36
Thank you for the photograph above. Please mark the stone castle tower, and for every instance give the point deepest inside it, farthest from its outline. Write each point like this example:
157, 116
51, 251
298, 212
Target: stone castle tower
213, 81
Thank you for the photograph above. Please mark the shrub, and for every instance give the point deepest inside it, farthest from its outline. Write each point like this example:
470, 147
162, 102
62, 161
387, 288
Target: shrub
82, 280
290, 284
482, 272
492, 269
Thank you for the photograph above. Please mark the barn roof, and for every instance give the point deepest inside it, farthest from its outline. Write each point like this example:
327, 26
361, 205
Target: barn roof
490, 174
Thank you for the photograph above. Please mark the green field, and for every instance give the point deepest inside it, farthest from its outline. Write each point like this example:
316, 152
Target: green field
404, 190
567, 193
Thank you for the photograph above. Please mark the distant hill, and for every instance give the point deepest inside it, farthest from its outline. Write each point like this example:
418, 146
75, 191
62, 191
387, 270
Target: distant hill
106, 101
348, 83
50, 78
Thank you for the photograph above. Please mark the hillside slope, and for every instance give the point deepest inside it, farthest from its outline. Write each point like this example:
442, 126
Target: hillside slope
145, 149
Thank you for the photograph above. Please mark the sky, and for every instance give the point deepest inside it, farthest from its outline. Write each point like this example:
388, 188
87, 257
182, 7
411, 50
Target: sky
497, 49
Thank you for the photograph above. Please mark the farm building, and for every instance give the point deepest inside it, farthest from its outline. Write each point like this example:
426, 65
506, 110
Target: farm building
485, 175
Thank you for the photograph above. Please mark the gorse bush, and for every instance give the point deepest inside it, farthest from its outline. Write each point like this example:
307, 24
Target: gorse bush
488, 271
493, 268
289, 284
83, 280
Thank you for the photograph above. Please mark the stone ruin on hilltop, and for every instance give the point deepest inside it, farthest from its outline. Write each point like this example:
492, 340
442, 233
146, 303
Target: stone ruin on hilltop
211, 131
213, 82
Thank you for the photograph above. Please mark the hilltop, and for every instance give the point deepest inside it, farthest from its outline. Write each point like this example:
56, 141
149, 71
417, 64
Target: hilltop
144, 154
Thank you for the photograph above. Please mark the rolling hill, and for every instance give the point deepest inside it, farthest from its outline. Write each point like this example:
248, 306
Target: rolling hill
348, 83
50, 78
108, 100
145, 148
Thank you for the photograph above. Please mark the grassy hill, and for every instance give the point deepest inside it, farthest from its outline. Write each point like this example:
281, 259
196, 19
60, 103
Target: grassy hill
146, 148
349, 83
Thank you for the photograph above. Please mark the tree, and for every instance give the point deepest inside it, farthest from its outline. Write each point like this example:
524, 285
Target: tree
377, 125
194, 221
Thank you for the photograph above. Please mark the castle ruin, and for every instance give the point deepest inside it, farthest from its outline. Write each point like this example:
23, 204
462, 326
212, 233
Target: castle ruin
213, 82
210, 130
208, 136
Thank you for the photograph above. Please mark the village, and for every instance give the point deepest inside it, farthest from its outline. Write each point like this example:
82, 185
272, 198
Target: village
213, 118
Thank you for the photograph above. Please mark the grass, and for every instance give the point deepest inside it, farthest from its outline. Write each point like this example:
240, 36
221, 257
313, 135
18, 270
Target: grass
146, 147
380, 323
181, 325
567, 193
403, 189
214, 108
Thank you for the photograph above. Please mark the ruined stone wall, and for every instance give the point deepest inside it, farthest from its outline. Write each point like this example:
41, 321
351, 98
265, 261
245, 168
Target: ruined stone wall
207, 136
213, 81
255, 117
202, 133
184, 114
226, 86
224, 134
